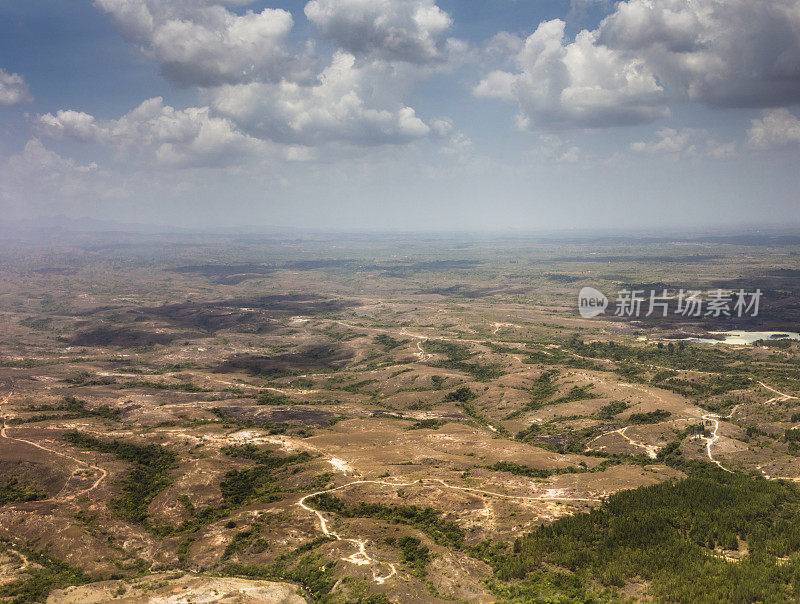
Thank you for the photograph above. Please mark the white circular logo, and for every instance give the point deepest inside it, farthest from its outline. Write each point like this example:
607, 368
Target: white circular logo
591, 302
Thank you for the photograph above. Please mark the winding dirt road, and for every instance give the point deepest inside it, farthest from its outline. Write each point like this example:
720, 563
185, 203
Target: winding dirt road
422, 356
83, 465
710, 440
361, 557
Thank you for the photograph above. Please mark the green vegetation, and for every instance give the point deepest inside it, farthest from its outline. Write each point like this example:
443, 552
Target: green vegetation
427, 424
268, 397
561, 278
792, 435
415, 554
84, 378
183, 387
304, 566
354, 388
680, 356
543, 388
47, 575
69, 408
454, 351
457, 354
522, 470
37, 323
463, 396
482, 372
357, 591
270, 427
576, 393
668, 534
388, 342
15, 490
240, 487
612, 409
783, 344
715, 385
146, 479
241, 540
264, 457
731, 369
427, 520
651, 417
460, 395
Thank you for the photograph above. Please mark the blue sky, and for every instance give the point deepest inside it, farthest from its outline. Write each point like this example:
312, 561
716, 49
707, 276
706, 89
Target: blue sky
401, 114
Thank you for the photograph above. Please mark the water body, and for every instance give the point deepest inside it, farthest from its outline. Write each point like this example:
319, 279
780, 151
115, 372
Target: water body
743, 338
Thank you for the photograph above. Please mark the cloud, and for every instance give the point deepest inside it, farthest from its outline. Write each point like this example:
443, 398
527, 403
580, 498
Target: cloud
258, 120
205, 44
395, 30
349, 102
776, 129
554, 148
722, 53
455, 141
670, 141
645, 56
581, 83
36, 158
13, 89
37, 176
249, 78
686, 142
154, 131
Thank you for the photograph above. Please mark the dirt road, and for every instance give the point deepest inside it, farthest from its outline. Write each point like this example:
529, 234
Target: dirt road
83, 465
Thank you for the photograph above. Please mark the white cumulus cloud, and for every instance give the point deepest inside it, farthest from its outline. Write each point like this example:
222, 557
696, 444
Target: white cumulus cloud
579, 83
648, 54
39, 177
775, 129
204, 43
719, 52
346, 104
13, 89
155, 132
396, 30
670, 141
686, 142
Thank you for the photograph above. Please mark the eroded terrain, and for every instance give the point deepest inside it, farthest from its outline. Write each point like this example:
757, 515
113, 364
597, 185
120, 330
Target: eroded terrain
339, 420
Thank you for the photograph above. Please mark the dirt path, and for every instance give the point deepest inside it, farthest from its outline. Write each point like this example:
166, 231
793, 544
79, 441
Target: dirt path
57, 497
651, 450
423, 356
551, 497
499, 326
710, 440
361, 557
782, 396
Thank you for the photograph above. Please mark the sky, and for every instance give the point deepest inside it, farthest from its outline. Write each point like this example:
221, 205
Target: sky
401, 115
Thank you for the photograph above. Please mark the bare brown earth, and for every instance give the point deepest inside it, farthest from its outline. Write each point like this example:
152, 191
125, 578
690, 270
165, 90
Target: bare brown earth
161, 588
354, 356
